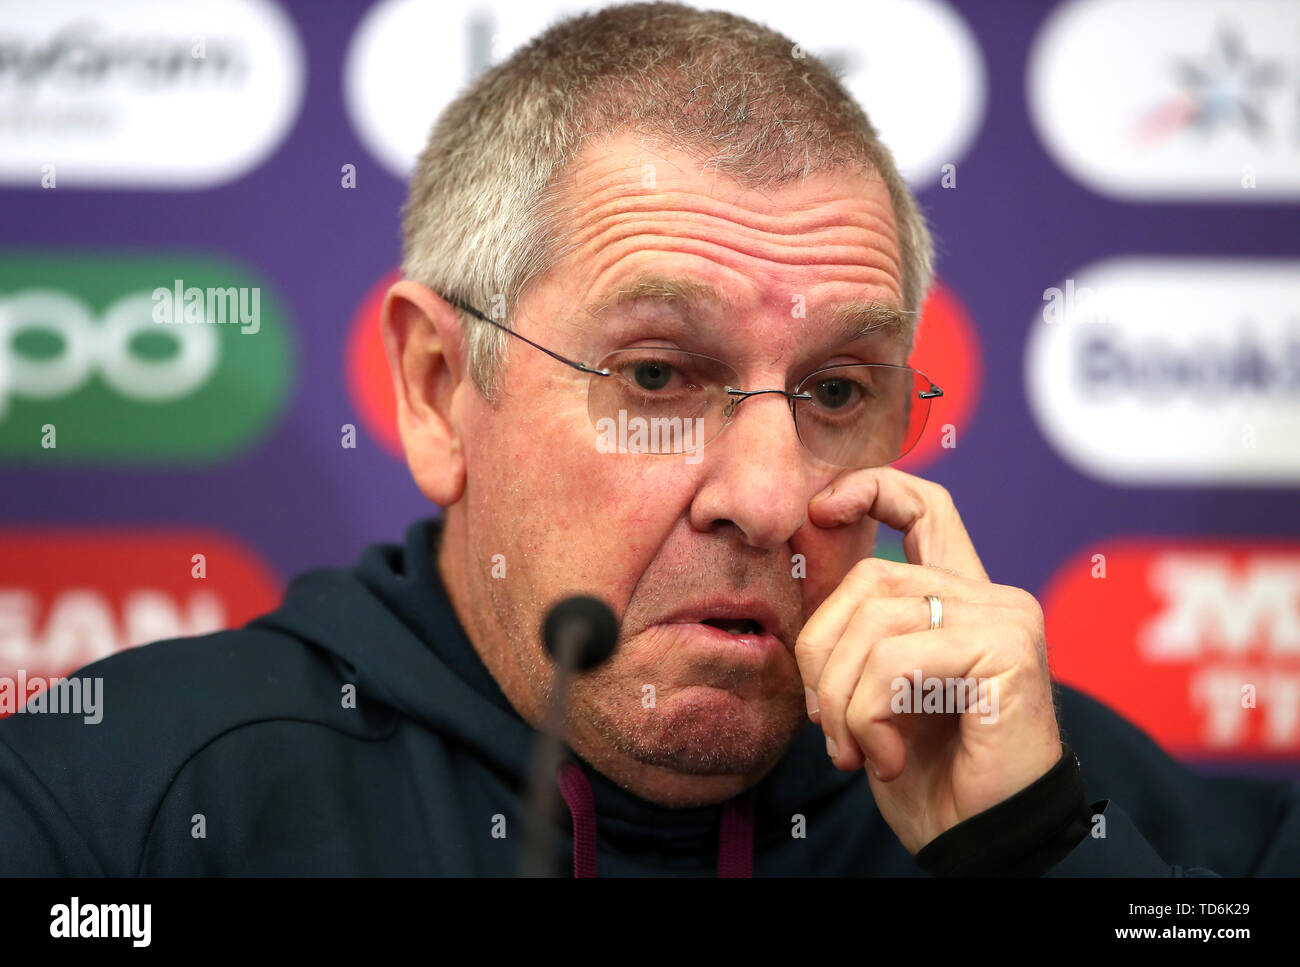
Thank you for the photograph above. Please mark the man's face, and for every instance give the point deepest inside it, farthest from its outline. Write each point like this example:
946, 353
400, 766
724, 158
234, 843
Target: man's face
683, 712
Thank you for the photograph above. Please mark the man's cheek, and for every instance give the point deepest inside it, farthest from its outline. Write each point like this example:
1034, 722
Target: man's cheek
641, 655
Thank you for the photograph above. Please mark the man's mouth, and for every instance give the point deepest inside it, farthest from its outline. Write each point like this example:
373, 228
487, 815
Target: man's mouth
736, 626
734, 637
727, 620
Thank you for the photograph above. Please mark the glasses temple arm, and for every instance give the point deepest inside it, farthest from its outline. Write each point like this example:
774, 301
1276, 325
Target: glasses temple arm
581, 367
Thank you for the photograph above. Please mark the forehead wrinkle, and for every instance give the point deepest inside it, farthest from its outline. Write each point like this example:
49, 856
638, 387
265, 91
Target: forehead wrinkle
784, 237
599, 202
602, 204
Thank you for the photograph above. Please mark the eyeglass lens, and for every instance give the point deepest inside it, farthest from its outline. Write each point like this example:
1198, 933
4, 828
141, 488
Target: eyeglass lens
670, 401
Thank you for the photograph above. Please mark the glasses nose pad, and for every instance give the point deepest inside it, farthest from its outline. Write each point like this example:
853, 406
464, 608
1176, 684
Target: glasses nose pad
732, 403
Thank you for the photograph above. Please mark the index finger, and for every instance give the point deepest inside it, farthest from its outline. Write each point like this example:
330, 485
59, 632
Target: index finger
922, 510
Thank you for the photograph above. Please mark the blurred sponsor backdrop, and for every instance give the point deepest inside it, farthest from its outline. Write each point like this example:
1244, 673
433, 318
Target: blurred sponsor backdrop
1113, 186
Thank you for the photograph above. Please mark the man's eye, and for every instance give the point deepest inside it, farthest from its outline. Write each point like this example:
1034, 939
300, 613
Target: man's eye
835, 393
652, 374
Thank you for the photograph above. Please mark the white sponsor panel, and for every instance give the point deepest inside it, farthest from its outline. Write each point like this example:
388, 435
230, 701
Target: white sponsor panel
1172, 100
144, 93
1173, 371
103, 343
83, 625
914, 66
1214, 608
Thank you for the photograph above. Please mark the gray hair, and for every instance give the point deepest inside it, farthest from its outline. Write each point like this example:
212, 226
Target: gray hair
484, 216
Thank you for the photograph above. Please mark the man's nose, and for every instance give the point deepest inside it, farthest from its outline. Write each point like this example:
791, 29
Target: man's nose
756, 475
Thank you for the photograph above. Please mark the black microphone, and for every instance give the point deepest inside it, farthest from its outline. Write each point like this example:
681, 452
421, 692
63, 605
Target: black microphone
579, 633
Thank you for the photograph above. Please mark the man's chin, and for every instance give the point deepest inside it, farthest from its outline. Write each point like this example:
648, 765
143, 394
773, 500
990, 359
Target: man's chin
706, 731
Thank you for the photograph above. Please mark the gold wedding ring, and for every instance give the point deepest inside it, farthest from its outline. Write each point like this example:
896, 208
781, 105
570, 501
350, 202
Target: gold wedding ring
936, 611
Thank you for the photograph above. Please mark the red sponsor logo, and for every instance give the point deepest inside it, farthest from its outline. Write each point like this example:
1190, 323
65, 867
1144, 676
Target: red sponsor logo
947, 350
1195, 641
366, 365
68, 598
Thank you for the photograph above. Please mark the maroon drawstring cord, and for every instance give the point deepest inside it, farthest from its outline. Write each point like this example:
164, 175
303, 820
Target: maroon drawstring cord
735, 838
576, 791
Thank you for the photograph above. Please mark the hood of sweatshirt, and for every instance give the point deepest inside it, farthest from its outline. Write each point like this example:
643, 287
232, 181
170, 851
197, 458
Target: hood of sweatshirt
391, 629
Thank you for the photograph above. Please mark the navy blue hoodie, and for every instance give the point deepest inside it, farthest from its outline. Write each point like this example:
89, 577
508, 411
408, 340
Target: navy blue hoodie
244, 752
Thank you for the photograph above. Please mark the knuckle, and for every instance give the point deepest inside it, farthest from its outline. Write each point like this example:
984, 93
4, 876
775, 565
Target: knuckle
1028, 644
1023, 601
1029, 602
858, 717
939, 495
1033, 612
867, 567
870, 613
884, 662
831, 703
870, 573
883, 654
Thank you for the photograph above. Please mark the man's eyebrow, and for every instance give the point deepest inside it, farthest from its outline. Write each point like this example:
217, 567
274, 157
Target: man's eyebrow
665, 290
848, 320
856, 319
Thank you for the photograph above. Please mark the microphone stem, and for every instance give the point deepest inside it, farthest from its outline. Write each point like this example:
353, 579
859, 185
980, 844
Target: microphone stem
538, 857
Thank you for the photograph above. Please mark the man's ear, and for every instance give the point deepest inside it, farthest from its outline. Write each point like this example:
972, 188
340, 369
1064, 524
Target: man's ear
426, 358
